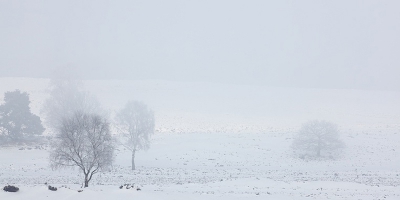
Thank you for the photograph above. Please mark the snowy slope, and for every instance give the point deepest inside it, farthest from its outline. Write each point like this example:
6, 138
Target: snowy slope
219, 141
219, 166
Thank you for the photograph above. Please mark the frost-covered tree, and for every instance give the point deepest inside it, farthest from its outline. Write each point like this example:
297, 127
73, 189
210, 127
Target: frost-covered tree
85, 141
135, 123
316, 139
67, 96
17, 123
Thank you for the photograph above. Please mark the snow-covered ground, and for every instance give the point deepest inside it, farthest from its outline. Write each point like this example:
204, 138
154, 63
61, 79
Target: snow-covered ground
218, 141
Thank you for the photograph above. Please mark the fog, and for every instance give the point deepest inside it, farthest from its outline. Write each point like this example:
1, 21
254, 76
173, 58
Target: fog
199, 99
308, 44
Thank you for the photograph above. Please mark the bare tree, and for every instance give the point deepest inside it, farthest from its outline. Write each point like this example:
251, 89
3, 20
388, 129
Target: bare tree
135, 123
316, 138
66, 96
83, 140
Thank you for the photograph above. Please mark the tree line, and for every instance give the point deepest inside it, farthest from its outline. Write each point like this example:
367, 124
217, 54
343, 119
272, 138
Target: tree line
82, 129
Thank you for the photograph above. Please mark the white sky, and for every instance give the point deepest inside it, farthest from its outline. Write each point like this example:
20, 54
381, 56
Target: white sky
328, 44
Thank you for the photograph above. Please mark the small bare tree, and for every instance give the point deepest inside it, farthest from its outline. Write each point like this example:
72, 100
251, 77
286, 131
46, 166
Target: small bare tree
83, 140
135, 123
317, 137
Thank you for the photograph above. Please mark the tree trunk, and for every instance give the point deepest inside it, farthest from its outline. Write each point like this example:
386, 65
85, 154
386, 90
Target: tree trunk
319, 147
86, 180
133, 159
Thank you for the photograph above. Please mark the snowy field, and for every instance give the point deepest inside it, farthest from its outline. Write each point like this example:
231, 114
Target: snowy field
216, 141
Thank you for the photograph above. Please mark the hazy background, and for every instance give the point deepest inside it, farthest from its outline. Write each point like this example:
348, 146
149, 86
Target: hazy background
335, 44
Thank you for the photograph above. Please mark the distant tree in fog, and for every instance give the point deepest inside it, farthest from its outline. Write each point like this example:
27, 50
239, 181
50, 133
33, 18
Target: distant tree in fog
135, 124
67, 96
317, 139
83, 140
17, 123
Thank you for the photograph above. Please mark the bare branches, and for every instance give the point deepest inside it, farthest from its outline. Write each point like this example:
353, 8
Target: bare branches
316, 138
84, 141
67, 96
135, 124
